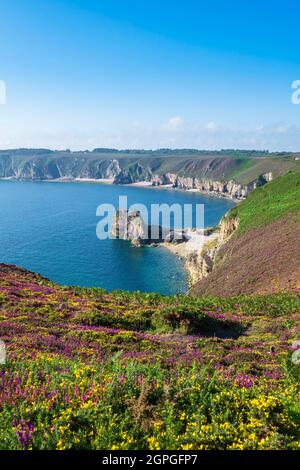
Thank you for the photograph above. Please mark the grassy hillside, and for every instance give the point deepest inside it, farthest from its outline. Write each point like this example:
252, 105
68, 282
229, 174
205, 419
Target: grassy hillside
270, 202
88, 369
221, 168
263, 254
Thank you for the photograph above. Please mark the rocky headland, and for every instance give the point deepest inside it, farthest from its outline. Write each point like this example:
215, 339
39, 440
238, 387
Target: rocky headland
255, 247
214, 173
196, 247
130, 226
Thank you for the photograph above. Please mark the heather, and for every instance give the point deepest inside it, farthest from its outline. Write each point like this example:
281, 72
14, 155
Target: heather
88, 369
262, 256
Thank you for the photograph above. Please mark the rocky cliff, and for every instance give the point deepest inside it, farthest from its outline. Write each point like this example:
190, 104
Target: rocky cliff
131, 226
133, 174
230, 189
219, 175
41, 168
200, 260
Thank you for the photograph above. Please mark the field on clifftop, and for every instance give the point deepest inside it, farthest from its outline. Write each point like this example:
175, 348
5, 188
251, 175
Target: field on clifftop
88, 369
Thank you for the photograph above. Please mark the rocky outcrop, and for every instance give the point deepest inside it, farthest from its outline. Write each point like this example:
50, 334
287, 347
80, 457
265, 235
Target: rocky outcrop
130, 226
43, 168
133, 174
198, 266
200, 263
225, 189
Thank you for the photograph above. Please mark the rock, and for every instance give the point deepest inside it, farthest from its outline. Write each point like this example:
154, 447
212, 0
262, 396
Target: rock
169, 178
133, 174
175, 236
47, 165
123, 177
130, 226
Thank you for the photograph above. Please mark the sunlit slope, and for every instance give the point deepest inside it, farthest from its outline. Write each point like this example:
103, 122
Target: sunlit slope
263, 255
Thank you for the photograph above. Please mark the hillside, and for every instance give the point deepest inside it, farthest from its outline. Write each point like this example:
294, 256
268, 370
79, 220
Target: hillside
87, 369
90, 369
229, 173
263, 254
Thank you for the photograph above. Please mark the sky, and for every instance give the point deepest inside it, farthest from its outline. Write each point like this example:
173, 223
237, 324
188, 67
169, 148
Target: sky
81, 74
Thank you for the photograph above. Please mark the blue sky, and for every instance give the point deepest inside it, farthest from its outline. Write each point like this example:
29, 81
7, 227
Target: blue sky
129, 74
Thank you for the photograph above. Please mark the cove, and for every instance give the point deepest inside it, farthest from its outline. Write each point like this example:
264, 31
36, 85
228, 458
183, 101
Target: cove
50, 228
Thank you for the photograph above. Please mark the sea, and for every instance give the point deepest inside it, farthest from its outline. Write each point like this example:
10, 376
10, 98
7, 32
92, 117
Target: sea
50, 228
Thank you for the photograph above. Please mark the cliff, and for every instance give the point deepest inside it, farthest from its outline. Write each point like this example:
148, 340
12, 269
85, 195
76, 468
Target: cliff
130, 226
219, 174
230, 189
40, 168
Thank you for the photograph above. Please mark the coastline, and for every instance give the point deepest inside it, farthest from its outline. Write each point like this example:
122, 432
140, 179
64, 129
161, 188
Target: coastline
192, 252
213, 194
138, 184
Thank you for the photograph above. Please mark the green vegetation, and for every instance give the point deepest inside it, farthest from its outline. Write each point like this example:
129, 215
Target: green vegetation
242, 166
88, 369
276, 199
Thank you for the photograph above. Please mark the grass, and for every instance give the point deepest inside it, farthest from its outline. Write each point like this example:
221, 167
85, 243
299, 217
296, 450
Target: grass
250, 169
276, 199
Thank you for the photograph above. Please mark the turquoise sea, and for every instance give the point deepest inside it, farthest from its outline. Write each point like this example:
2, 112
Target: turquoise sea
50, 228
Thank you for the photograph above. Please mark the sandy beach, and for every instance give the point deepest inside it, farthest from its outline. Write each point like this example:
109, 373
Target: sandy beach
191, 250
197, 240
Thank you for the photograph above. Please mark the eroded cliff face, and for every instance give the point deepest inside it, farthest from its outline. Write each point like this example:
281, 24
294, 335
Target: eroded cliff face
229, 189
81, 167
130, 226
133, 174
60, 168
200, 263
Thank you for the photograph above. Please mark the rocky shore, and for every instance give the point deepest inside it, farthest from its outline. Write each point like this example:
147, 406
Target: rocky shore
211, 175
230, 189
131, 227
200, 248
196, 247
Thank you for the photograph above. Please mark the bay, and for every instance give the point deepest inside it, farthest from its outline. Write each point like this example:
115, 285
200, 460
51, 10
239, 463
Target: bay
50, 228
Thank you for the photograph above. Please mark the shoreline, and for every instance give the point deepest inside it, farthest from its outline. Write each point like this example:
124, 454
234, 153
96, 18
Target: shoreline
190, 252
138, 184
213, 194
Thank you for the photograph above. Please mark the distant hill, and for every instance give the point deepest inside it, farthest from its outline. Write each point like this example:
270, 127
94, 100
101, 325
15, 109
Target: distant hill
243, 167
156, 152
263, 254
